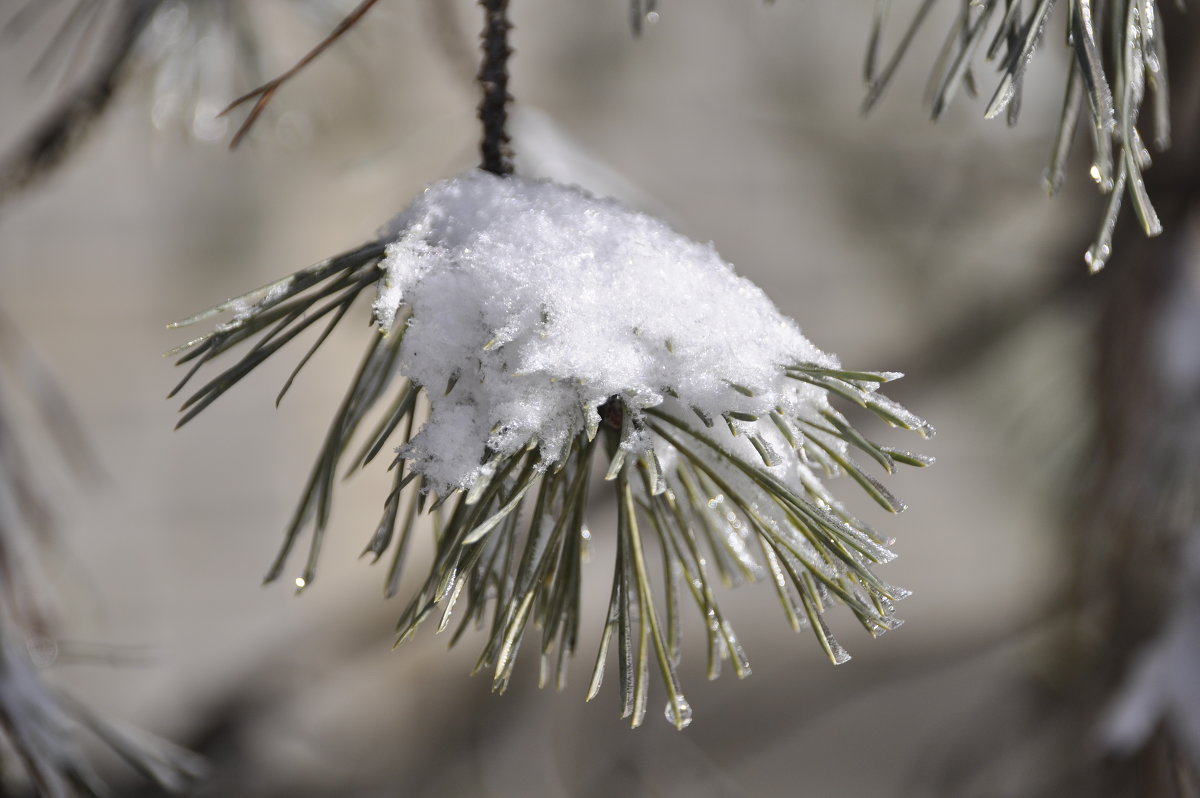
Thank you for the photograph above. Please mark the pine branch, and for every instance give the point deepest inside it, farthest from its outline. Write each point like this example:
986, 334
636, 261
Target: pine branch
1113, 95
701, 490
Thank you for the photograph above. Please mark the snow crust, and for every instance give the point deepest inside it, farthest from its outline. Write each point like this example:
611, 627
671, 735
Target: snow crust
539, 301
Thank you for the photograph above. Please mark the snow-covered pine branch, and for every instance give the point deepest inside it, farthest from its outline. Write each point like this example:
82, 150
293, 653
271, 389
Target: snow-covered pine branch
530, 335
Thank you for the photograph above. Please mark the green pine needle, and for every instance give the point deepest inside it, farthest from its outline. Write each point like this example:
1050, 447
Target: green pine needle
509, 551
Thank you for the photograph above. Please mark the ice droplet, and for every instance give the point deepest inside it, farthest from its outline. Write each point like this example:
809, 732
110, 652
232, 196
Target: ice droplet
585, 536
683, 708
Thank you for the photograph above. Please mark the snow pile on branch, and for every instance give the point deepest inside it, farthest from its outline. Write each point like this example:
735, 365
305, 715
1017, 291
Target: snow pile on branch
538, 302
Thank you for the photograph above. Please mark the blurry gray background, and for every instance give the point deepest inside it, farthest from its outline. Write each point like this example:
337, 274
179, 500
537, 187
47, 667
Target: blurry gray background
739, 123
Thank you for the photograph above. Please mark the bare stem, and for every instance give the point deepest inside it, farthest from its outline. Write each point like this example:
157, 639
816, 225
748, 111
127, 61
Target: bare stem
266, 92
493, 79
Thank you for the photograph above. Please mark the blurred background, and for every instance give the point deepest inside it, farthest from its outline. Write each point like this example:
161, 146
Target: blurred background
896, 243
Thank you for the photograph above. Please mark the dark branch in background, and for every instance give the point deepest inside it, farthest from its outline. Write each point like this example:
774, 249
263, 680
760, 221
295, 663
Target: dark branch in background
266, 92
1134, 517
53, 138
493, 78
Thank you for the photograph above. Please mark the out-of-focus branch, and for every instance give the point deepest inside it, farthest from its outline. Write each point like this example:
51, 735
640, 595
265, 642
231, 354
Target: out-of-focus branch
53, 137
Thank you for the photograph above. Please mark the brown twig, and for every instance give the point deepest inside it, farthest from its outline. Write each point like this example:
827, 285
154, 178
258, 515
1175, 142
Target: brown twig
493, 78
265, 92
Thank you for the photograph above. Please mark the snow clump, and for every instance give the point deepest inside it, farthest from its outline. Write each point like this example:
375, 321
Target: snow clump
528, 304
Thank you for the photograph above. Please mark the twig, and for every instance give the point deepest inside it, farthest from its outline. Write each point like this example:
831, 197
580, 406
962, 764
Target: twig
266, 92
493, 78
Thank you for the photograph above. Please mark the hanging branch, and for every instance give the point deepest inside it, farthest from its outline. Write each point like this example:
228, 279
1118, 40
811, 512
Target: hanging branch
266, 92
493, 79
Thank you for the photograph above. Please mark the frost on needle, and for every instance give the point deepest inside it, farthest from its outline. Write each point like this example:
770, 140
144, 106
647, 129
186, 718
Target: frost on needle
531, 336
